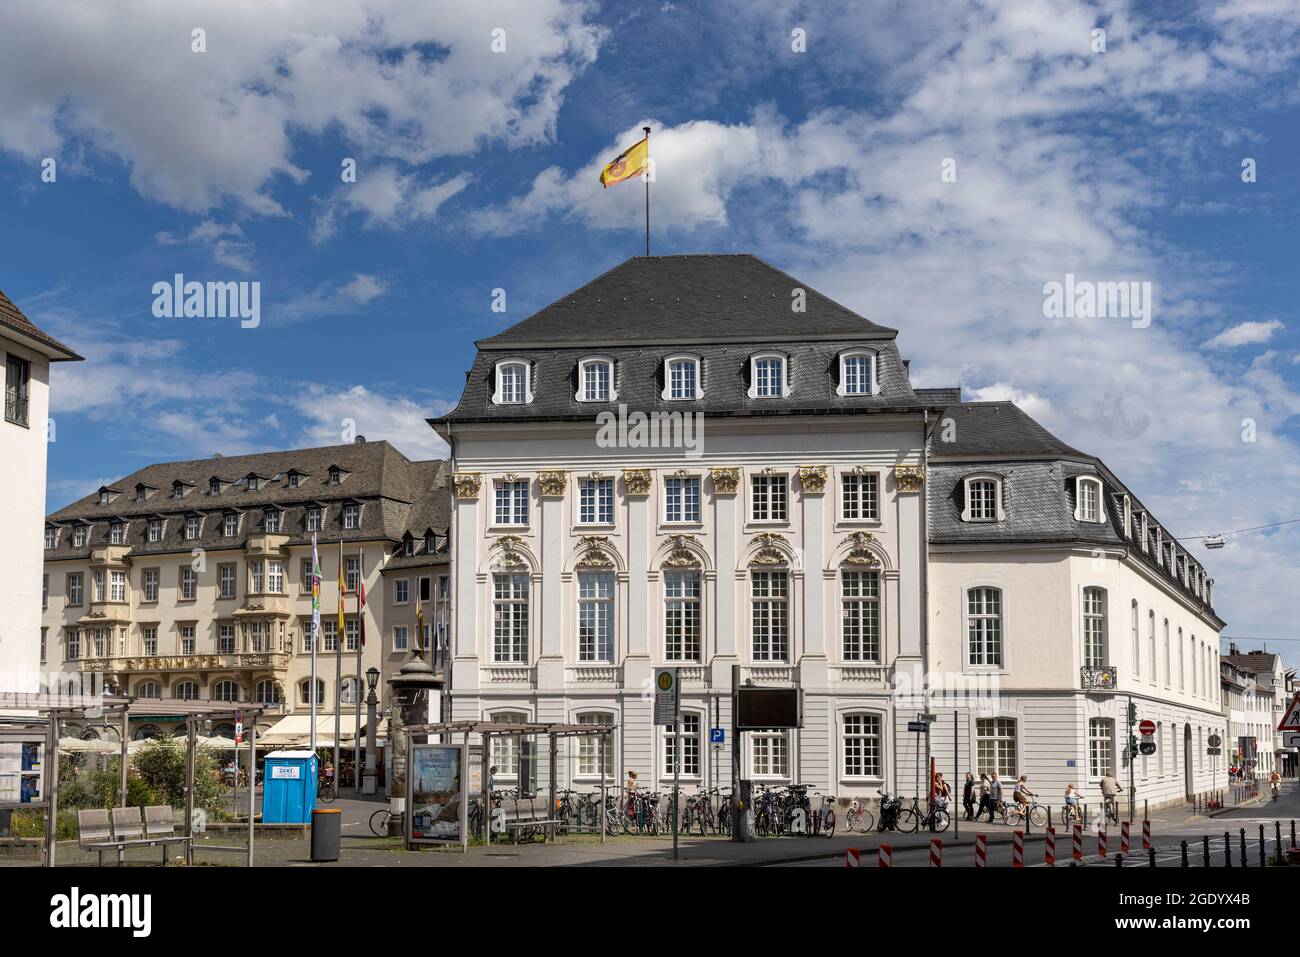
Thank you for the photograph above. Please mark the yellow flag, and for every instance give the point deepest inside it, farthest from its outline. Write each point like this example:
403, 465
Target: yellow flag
631, 162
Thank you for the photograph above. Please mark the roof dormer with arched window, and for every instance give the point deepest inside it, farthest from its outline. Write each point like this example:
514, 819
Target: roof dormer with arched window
857, 373
512, 382
596, 380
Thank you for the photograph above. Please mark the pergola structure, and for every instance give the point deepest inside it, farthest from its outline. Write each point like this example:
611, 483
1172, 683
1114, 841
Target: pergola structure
487, 730
51, 709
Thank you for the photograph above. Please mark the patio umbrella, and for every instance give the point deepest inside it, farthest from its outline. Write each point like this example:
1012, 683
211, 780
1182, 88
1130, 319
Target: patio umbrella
84, 745
220, 743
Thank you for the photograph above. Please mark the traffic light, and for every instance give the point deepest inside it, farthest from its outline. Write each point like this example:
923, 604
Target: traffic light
1132, 746
1132, 714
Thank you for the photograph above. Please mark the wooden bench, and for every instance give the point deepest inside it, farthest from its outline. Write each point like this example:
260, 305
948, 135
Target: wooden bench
522, 816
99, 830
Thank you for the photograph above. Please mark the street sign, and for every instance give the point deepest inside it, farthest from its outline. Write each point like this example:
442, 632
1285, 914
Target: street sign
1291, 739
1215, 741
928, 718
667, 697
1147, 747
717, 735
1212, 751
1148, 728
1291, 720
920, 727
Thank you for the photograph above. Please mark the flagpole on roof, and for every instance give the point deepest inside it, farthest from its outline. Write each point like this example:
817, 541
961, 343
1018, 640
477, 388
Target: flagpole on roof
646, 175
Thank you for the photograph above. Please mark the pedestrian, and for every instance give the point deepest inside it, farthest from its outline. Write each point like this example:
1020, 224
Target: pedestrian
995, 795
984, 794
969, 792
942, 793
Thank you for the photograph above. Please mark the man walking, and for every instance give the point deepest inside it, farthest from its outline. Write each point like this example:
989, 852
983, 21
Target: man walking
995, 795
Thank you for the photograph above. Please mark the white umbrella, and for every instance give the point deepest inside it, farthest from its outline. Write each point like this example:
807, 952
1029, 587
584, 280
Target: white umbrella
87, 745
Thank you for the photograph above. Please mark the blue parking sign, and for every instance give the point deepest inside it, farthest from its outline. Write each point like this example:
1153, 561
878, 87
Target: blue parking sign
717, 735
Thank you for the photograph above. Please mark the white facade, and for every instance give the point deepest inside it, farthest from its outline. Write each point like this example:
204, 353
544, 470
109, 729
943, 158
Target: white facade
848, 741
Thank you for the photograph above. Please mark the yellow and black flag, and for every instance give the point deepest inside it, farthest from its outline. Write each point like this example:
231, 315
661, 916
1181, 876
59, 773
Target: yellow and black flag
631, 162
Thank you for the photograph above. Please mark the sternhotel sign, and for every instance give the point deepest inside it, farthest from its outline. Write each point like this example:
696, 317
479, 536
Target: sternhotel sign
176, 663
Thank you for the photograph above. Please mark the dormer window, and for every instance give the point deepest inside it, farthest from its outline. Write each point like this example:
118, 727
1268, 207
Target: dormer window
293, 479
214, 486
596, 380
313, 519
141, 493
335, 475
351, 516
983, 499
430, 542
251, 483
1088, 502
155, 531
117, 533
192, 524
178, 489
857, 373
408, 546
682, 378
104, 497
767, 377
271, 521
51, 535
512, 385
1140, 529
1128, 517
78, 536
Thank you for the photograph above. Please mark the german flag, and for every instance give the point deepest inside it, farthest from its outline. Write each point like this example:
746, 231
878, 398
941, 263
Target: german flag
631, 162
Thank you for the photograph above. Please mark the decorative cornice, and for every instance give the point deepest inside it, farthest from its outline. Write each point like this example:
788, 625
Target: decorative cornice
637, 481
813, 479
859, 549
468, 485
770, 550
909, 477
553, 482
726, 480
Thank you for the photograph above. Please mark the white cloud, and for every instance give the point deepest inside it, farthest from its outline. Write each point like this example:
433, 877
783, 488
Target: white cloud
336, 416
225, 241
330, 299
386, 197
1244, 334
412, 81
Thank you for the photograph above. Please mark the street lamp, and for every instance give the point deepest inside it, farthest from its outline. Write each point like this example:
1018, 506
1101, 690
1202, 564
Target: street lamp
372, 702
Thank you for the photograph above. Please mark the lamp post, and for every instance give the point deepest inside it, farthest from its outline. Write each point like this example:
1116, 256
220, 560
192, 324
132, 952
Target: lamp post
368, 782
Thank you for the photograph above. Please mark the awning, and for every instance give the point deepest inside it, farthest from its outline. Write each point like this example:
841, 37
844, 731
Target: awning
296, 729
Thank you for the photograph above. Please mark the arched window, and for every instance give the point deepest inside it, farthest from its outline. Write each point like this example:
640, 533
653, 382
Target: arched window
1088, 503
226, 690
304, 691
682, 378
187, 690
983, 499
267, 692
857, 373
984, 627
768, 376
512, 383
1094, 627
1137, 643
148, 689
596, 380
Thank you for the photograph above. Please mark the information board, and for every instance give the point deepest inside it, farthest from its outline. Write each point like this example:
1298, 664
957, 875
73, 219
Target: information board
435, 790
22, 770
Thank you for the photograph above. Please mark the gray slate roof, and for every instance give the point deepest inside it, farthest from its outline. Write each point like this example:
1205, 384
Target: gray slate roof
395, 494
721, 308
11, 317
687, 299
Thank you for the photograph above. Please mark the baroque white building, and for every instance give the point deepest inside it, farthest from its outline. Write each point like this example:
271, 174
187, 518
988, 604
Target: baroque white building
26, 353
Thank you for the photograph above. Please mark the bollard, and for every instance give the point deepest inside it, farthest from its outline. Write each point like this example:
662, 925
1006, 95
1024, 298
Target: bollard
1123, 837
936, 852
1293, 832
981, 850
1018, 849
1262, 861
1227, 849
1049, 846
1119, 860
1078, 842
1185, 863
1101, 843
1151, 851
1243, 846
852, 857
1205, 849
1146, 835
1145, 810
1277, 840
885, 856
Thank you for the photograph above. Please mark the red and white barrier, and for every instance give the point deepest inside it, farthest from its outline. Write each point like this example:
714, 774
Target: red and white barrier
1078, 842
1018, 849
1146, 835
1123, 837
981, 850
852, 857
885, 856
936, 852
1049, 846
1101, 842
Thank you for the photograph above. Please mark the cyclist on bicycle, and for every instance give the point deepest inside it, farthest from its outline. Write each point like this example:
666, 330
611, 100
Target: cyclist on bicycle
1021, 792
1071, 798
1274, 782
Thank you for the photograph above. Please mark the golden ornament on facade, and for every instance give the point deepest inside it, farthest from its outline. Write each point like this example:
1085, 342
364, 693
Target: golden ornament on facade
594, 552
771, 549
468, 485
909, 477
681, 555
813, 479
726, 480
859, 549
511, 551
553, 482
637, 481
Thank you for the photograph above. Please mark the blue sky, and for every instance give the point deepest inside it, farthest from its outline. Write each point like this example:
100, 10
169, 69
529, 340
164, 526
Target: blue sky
477, 170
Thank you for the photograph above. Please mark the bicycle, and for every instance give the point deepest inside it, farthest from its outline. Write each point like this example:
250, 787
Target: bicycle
379, 822
326, 792
1110, 810
1071, 814
858, 817
911, 819
1015, 814
824, 820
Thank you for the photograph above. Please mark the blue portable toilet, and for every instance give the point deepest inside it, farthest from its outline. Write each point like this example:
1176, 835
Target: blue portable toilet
288, 787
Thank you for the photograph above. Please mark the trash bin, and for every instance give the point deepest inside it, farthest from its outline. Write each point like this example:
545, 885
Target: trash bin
325, 833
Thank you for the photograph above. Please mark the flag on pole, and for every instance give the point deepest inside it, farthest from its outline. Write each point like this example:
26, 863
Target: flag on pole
419, 621
342, 590
361, 611
631, 162
315, 632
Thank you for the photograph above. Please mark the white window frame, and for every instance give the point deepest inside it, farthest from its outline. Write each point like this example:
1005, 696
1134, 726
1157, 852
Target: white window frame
596, 614
1000, 663
683, 517
517, 647
992, 730
868, 616
873, 729
1079, 482
583, 395
862, 478
498, 381
678, 602
768, 741
156, 529
596, 500
778, 635
401, 591
117, 533
517, 511
190, 576
1101, 617
776, 481
401, 638
1101, 747
588, 767
782, 388
351, 516
149, 579
698, 366
873, 385
668, 742
230, 525
968, 513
